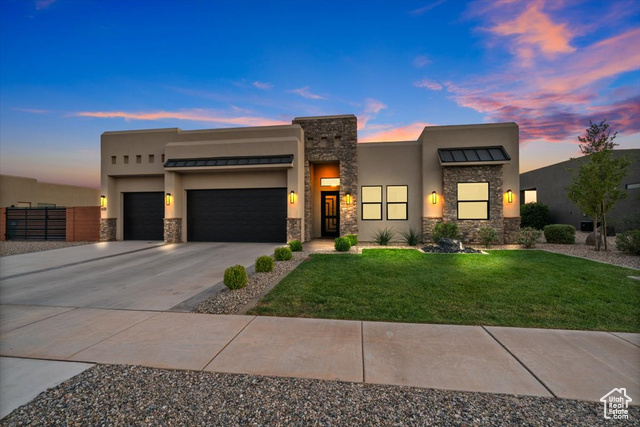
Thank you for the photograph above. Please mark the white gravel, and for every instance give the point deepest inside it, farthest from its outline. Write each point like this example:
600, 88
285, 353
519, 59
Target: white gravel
17, 247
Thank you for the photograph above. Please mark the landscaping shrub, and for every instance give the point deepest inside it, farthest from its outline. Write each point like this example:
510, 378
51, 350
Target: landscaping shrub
411, 236
282, 254
295, 246
629, 242
235, 277
353, 239
342, 244
264, 264
383, 236
528, 237
445, 229
560, 233
535, 215
488, 235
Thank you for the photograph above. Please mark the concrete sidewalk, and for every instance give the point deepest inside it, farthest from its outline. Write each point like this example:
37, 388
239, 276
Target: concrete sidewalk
552, 363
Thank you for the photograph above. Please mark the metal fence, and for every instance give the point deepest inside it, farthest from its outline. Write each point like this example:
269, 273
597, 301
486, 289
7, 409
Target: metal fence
36, 224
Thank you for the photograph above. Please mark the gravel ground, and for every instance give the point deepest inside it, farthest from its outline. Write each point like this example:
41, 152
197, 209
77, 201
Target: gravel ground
132, 395
232, 302
15, 247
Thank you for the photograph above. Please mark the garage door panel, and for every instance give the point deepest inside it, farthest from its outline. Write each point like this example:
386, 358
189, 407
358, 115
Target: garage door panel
143, 216
238, 215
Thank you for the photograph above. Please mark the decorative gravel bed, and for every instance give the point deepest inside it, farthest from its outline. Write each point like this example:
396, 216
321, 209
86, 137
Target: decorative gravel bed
15, 247
232, 302
133, 395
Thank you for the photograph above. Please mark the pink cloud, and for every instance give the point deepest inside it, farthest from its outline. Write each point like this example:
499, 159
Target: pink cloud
262, 85
31, 110
428, 84
197, 115
304, 92
373, 106
427, 8
421, 61
44, 4
409, 132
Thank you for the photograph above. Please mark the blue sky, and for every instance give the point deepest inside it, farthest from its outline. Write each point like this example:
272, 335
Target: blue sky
70, 70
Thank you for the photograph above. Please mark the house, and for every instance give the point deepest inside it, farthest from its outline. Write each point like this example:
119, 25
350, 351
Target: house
307, 180
548, 185
22, 192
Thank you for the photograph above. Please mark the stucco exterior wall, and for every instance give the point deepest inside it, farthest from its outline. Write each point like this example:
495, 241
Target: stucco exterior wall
29, 192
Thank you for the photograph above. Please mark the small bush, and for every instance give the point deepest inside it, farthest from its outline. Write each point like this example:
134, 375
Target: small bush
342, 244
295, 246
629, 242
282, 254
535, 215
560, 233
488, 235
528, 237
383, 236
264, 264
411, 236
235, 277
353, 239
445, 229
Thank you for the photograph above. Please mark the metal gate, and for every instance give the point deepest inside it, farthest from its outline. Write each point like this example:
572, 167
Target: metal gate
36, 224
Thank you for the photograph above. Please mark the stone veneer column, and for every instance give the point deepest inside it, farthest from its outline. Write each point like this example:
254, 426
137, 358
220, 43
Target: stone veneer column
428, 224
108, 229
332, 139
294, 229
173, 230
451, 176
511, 230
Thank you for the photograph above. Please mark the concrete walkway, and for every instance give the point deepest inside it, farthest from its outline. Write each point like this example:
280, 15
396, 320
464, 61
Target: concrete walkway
551, 363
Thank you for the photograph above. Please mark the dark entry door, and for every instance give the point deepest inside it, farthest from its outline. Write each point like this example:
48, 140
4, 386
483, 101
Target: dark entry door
330, 215
238, 215
144, 216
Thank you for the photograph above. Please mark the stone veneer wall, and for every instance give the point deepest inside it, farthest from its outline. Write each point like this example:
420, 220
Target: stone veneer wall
511, 229
173, 230
107, 229
294, 229
332, 139
428, 225
451, 176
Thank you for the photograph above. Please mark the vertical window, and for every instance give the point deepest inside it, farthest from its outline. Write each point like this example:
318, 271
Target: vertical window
126, 160
371, 202
138, 158
113, 160
151, 158
397, 202
473, 200
162, 158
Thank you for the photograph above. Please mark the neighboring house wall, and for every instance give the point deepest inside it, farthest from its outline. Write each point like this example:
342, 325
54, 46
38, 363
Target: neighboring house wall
29, 192
83, 224
550, 183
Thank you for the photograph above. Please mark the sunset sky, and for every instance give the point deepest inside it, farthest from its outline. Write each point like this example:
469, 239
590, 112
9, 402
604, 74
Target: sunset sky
72, 69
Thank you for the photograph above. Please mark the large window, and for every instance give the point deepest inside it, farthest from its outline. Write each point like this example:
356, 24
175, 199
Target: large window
473, 200
397, 202
371, 202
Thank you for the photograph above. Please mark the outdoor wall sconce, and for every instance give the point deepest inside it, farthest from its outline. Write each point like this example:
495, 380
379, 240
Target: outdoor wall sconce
434, 197
348, 198
103, 201
292, 197
509, 196
168, 198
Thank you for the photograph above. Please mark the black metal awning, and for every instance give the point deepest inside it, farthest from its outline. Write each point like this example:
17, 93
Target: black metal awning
230, 161
473, 155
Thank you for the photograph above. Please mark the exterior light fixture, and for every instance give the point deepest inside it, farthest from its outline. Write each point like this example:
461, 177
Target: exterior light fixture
434, 197
348, 198
103, 201
292, 197
509, 196
168, 198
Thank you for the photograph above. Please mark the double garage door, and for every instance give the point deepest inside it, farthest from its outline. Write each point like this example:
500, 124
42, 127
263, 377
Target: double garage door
238, 215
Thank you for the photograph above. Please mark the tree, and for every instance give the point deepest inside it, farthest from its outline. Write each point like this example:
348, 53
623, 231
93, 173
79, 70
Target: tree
595, 187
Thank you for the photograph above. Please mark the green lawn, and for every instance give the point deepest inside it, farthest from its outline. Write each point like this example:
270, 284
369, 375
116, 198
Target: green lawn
505, 288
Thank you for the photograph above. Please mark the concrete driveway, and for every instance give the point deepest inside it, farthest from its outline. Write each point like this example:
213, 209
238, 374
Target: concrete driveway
121, 275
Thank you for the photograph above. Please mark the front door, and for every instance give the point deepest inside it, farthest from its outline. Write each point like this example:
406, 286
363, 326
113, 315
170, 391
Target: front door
330, 216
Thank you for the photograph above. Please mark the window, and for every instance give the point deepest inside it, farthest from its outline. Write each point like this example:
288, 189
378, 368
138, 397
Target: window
113, 160
473, 200
138, 158
162, 158
397, 202
151, 158
530, 196
126, 160
329, 182
371, 202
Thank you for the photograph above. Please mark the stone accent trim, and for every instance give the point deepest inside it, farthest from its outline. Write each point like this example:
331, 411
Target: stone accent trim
108, 229
294, 229
511, 230
173, 230
428, 224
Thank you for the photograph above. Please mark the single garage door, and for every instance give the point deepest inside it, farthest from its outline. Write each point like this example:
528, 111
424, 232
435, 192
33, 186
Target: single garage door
143, 216
238, 215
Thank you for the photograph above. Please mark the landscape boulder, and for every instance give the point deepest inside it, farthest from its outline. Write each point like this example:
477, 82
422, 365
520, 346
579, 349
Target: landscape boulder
450, 245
